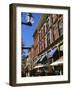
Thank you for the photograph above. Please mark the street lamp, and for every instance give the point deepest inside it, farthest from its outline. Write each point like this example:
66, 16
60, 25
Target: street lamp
29, 22
29, 19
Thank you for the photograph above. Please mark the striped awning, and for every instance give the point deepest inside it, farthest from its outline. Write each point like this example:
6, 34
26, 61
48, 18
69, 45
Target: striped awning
58, 62
37, 59
42, 57
39, 66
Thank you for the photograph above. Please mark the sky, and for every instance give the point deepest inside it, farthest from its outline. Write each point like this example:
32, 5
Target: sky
28, 31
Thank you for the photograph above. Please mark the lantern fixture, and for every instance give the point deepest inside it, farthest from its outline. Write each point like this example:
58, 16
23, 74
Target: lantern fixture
29, 20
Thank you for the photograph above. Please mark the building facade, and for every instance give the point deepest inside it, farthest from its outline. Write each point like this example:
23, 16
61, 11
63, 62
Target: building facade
48, 38
50, 29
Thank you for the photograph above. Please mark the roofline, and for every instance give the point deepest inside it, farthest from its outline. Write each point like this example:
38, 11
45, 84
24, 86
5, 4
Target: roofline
41, 22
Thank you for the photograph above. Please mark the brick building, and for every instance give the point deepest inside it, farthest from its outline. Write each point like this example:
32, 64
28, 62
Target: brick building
48, 31
48, 37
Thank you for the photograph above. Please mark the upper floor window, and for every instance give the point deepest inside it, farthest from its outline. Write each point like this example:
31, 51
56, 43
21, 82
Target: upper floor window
45, 43
40, 34
43, 31
54, 31
49, 21
61, 26
47, 27
48, 36
38, 37
54, 16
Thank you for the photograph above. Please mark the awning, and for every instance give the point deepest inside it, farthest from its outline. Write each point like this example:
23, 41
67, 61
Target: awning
58, 62
42, 58
39, 66
37, 59
51, 53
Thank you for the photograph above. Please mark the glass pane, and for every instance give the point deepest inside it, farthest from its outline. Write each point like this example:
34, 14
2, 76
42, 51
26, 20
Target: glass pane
48, 37
54, 17
61, 27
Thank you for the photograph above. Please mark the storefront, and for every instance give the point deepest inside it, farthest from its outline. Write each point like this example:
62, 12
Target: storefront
58, 66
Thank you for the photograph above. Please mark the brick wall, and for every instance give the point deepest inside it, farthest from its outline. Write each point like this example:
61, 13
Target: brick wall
47, 33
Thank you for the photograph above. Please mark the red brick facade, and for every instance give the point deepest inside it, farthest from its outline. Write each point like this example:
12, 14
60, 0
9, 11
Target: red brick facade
47, 33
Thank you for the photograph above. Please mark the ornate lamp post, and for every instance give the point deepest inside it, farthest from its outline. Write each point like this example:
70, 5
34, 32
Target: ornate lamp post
30, 20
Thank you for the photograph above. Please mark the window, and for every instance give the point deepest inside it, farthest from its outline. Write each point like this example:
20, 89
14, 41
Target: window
43, 31
47, 26
49, 21
61, 26
42, 44
38, 37
51, 36
36, 50
38, 47
54, 17
45, 41
48, 35
55, 31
